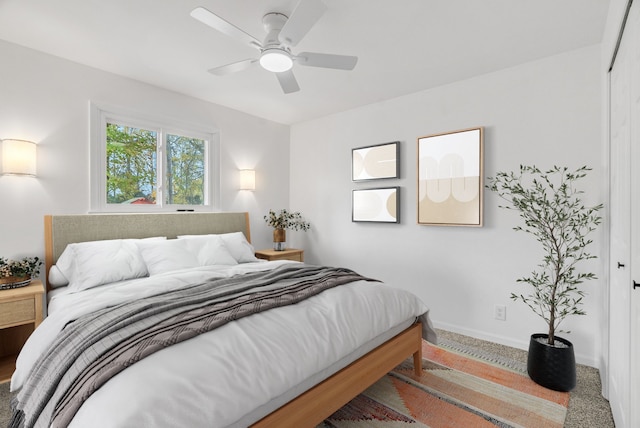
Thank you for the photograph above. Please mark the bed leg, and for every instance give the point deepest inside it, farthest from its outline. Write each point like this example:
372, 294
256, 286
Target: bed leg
417, 360
417, 363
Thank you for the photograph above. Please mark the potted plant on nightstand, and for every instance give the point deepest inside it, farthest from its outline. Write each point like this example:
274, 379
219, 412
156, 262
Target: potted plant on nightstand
18, 273
553, 213
282, 221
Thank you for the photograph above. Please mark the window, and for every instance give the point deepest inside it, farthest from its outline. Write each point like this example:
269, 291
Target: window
140, 165
131, 165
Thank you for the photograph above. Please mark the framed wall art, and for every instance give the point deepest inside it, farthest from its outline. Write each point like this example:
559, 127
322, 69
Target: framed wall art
375, 162
381, 205
450, 183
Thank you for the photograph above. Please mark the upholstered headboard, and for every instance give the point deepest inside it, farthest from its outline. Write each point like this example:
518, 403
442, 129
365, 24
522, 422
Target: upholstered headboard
60, 230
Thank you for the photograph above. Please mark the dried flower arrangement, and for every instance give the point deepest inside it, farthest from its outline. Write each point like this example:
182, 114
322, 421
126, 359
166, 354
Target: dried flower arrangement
27, 267
286, 220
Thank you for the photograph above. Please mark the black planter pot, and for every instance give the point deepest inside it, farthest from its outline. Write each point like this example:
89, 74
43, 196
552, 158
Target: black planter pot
550, 366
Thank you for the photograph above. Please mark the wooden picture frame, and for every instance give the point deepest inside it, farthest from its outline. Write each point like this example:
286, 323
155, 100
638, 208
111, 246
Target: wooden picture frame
450, 178
375, 162
379, 205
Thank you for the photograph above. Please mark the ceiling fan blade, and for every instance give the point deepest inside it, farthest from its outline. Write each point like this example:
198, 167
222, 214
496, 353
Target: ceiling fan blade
214, 21
340, 62
303, 17
288, 81
233, 67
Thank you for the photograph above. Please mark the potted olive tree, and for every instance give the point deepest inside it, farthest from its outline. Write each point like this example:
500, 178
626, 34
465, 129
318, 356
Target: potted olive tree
549, 204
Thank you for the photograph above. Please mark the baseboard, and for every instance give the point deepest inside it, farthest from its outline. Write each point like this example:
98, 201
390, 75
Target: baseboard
503, 340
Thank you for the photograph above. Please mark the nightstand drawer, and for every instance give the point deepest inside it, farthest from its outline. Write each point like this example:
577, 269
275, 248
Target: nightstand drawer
295, 257
18, 311
288, 254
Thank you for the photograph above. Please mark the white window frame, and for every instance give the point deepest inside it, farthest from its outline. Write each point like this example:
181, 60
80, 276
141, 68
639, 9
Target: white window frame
101, 115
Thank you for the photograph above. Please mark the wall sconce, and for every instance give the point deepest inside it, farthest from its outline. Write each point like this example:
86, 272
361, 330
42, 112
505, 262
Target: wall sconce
247, 179
18, 157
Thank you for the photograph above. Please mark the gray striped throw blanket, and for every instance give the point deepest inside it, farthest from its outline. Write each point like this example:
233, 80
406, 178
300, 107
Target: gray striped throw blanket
97, 346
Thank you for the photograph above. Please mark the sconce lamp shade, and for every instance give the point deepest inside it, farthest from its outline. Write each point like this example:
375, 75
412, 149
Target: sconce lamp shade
18, 157
247, 179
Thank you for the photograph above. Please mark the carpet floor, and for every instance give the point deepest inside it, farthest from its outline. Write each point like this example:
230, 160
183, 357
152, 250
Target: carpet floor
454, 390
587, 407
473, 362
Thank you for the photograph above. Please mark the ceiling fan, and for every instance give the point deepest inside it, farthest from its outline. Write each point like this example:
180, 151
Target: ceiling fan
283, 33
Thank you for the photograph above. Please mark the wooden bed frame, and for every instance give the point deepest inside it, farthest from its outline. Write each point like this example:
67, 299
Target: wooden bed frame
318, 403
308, 409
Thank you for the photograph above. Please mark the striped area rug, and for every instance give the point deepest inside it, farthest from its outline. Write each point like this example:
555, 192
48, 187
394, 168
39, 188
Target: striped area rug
455, 390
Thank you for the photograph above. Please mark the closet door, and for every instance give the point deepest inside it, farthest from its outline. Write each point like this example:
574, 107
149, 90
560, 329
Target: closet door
634, 302
624, 324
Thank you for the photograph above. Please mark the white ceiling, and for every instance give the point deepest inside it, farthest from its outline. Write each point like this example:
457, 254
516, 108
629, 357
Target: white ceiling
403, 46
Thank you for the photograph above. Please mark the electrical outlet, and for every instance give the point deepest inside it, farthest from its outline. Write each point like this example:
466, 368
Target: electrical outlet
500, 312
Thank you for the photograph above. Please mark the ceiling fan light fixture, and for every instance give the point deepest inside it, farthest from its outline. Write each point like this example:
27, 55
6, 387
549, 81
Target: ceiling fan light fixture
276, 60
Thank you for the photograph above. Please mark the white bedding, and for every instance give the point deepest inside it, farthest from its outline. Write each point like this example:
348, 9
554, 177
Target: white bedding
229, 376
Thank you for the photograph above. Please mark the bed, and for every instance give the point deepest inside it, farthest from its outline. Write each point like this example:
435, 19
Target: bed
292, 365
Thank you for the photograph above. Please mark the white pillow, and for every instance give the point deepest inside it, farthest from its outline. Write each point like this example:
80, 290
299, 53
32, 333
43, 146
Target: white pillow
89, 264
165, 256
236, 244
57, 278
239, 247
210, 250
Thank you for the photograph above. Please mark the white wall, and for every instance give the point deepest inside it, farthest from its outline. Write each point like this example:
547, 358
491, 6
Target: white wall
46, 99
545, 112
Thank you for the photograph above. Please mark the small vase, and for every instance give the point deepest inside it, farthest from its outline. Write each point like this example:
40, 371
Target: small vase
279, 239
14, 281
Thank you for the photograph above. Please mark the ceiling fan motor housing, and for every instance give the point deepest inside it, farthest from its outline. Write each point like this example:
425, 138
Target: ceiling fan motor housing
275, 57
273, 23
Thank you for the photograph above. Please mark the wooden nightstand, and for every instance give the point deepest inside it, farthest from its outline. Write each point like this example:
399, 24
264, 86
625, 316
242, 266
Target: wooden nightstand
288, 254
20, 314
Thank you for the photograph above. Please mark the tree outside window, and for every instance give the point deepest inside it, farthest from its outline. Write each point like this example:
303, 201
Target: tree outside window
132, 168
131, 165
185, 170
